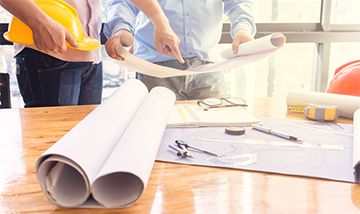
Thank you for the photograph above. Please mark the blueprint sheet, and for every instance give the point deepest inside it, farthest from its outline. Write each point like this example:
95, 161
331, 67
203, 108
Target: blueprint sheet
248, 52
325, 153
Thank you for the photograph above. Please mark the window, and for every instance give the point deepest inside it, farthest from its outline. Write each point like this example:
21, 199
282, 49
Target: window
114, 73
291, 68
293, 11
7, 64
4, 16
342, 53
345, 12
321, 36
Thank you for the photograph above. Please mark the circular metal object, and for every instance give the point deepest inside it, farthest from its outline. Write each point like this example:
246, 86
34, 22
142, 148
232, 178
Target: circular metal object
235, 130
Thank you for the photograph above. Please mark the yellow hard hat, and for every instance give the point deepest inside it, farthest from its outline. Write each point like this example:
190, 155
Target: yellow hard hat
61, 12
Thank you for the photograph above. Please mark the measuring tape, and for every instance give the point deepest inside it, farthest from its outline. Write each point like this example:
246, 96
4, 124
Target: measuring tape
321, 112
295, 108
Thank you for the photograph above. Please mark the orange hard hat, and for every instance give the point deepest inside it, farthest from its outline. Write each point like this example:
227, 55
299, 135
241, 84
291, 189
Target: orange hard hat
346, 79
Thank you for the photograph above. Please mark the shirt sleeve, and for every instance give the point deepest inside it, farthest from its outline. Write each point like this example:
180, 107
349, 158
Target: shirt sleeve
120, 14
241, 15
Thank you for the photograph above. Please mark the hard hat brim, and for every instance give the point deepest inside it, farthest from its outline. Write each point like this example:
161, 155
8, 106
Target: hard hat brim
87, 44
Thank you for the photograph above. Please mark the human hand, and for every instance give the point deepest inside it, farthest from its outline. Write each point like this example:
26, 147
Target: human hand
121, 38
240, 37
51, 36
167, 42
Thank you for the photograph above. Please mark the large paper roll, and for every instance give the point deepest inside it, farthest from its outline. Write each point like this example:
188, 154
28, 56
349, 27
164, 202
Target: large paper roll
347, 104
109, 155
356, 145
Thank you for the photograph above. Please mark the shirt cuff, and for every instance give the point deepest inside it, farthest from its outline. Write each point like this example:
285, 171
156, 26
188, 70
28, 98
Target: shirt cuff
109, 32
122, 27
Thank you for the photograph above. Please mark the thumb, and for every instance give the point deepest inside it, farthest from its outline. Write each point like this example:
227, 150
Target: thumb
126, 43
71, 40
235, 46
126, 40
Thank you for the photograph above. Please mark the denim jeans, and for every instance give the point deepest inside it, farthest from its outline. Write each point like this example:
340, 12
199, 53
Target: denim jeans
46, 81
189, 87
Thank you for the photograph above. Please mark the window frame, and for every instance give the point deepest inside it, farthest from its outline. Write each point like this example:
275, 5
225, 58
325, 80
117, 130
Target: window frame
323, 34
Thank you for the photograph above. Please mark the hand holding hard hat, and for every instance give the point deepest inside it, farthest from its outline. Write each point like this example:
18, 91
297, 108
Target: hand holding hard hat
65, 27
50, 36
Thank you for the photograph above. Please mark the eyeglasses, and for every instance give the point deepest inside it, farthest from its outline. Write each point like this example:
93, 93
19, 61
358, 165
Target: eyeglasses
221, 102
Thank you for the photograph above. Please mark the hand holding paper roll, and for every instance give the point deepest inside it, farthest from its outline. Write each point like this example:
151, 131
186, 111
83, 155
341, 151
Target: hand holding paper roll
165, 39
241, 38
248, 52
121, 39
264, 44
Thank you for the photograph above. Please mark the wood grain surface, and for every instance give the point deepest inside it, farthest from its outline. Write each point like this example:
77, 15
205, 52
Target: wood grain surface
173, 188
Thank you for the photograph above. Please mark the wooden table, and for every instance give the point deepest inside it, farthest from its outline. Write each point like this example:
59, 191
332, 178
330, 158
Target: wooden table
173, 188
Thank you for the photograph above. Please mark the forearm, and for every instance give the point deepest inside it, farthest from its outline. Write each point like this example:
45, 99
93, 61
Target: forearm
153, 11
241, 17
25, 10
120, 15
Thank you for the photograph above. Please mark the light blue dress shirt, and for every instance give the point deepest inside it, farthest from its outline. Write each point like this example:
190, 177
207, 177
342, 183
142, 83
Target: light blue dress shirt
197, 23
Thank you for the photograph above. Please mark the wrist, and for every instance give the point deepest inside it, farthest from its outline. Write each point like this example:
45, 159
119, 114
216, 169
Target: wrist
38, 21
160, 21
119, 32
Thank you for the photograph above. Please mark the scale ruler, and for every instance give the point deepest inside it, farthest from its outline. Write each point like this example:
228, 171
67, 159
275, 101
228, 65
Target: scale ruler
275, 143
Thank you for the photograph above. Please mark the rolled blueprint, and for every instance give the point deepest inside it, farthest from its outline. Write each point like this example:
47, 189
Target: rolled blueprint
347, 104
248, 52
356, 145
267, 43
105, 156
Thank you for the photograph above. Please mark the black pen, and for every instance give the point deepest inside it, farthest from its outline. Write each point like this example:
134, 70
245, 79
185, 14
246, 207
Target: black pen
276, 133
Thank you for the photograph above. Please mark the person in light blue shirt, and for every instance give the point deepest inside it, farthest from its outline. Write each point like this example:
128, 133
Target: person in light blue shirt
198, 25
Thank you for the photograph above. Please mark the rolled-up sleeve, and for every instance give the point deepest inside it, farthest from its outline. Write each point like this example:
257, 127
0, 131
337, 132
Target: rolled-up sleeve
120, 14
241, 17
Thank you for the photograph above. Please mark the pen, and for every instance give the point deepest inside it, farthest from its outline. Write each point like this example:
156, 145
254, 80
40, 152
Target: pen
276, 133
